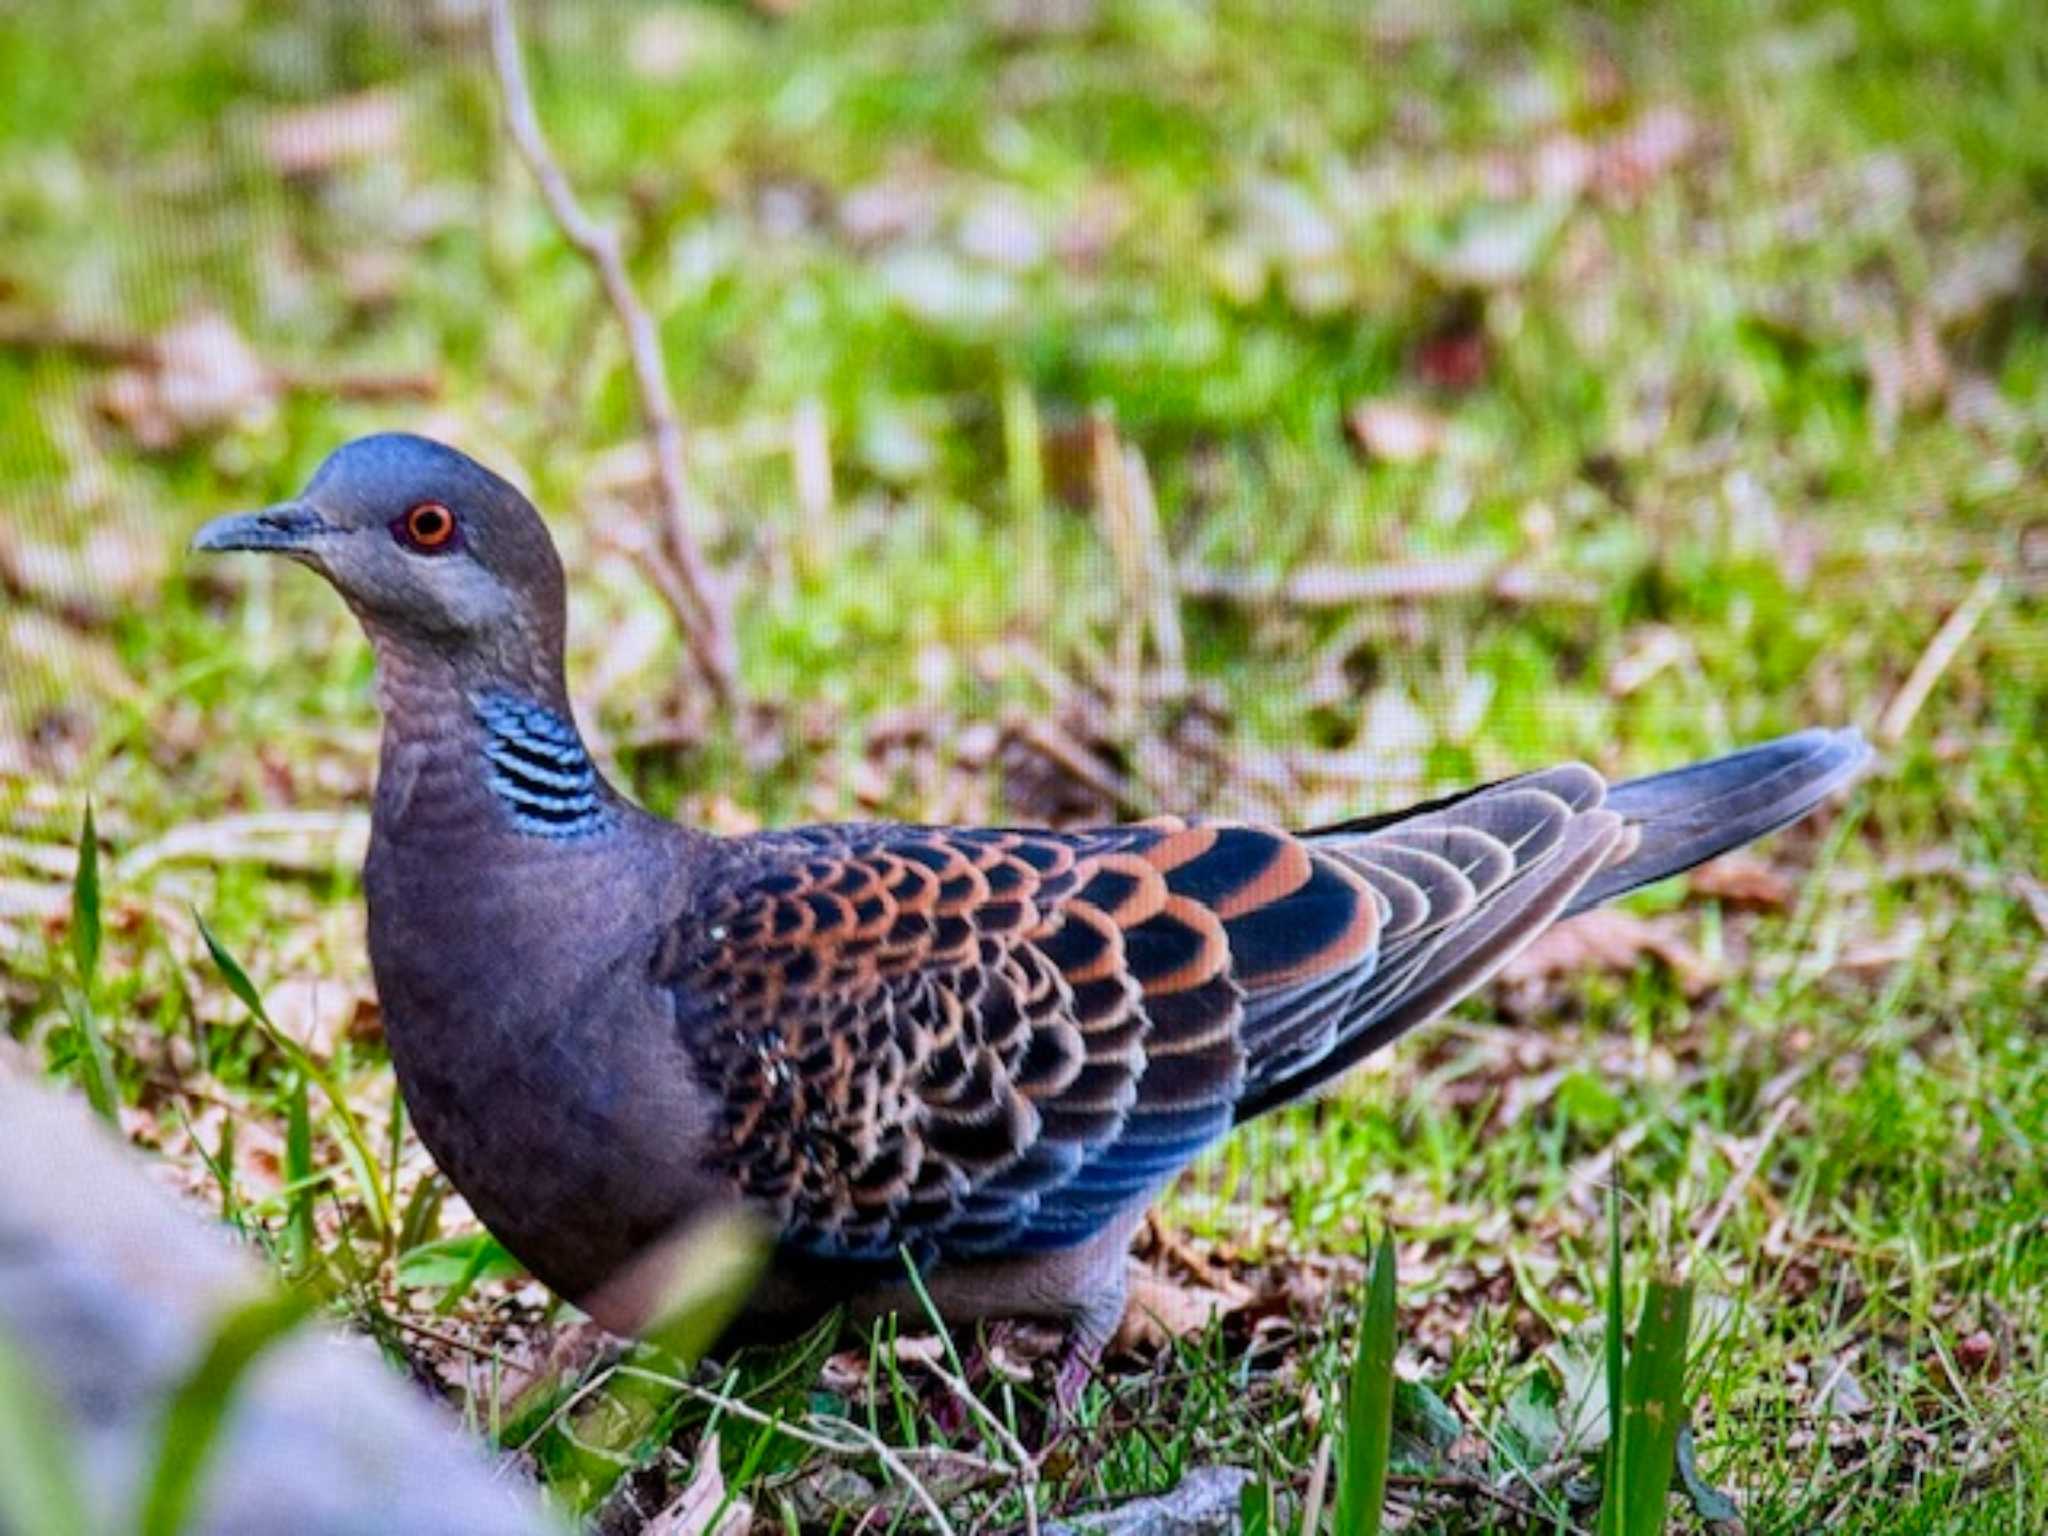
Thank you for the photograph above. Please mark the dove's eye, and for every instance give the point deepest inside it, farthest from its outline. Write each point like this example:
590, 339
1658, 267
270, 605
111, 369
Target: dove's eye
428, 527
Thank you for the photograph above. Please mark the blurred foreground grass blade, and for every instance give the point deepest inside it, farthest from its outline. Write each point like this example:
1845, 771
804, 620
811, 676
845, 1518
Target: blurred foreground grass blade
357, 1150
689, 1287
199, 1407
1368, 1448
44, 1496
713, 1267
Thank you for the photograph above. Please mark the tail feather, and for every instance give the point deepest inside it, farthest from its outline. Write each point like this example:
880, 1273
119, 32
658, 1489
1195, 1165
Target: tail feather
1465, 883
1692, 814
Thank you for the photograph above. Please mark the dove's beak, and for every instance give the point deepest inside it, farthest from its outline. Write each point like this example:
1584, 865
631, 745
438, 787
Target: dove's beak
290, 528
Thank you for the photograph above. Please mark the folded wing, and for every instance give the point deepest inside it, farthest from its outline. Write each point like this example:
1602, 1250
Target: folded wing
969, 1042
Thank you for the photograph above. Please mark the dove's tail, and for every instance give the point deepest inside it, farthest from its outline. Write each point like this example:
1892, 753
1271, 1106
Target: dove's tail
1691, 814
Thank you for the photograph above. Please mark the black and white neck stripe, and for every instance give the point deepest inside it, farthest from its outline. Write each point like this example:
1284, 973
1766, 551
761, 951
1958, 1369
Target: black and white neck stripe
538, 769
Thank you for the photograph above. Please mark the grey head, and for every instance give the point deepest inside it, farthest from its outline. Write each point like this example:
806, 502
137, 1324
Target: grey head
440, 559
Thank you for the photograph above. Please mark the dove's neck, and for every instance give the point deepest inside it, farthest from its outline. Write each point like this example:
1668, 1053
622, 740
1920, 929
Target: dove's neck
482, 753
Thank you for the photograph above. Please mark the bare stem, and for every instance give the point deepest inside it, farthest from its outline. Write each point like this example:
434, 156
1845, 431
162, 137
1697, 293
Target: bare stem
694, 594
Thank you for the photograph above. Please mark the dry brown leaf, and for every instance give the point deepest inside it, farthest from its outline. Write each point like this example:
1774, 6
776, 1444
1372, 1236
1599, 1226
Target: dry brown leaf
1743, 880
1160, 1310
921, 1349
1025, 19
1651, 650
1642, 154
1396, 431
1908, 368
1616, 942
702, 1508
202, 376
319, 1011
308, 141
114, 561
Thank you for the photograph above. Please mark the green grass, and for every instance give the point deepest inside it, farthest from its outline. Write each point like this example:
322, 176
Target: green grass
1238, 219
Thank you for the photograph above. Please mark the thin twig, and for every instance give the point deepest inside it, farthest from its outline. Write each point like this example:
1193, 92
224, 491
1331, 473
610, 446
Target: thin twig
700, 605
1335, 586
1058, 746
1743, 1176
1940, 655
1024, 1467
845, 1439
1318, 1485
1459, 1483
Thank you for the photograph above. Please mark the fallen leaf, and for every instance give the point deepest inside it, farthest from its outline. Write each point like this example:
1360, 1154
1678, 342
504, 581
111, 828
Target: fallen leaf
920, 1349
1494, 245
1840, 1392
1652, 650
308, 141
903, 203
319, 1011
1977, 1352
1285, 221
671, 40
1633, 160
1909, 372
1978, 277
829, 1495
114, 561
1396, 431
1610, 941
202, 377
1160, 1310
1002, 229
1025, 19
1743, 880
703, 1507
1455, 359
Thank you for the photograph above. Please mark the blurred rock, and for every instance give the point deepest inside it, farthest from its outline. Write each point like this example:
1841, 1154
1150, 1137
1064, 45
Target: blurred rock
110, 1291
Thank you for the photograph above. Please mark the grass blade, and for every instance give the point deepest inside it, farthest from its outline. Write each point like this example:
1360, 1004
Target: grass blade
1368, 1447
298, 1174
89, 1057
44, 1494
1645, 1396
85, 906
358, 1148
422, 1218
1614, 1478
89, 1046
1653, 1406
199, 1407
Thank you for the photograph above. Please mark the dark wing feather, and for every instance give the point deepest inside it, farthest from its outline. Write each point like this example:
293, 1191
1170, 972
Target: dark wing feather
1464, 883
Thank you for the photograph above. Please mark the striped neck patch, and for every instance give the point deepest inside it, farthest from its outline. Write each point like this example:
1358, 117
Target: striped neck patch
538, 769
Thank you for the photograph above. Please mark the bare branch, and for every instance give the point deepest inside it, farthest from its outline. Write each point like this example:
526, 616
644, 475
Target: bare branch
700, 605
